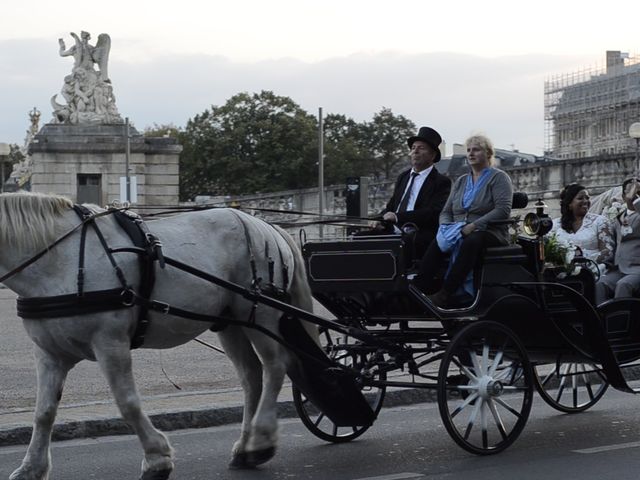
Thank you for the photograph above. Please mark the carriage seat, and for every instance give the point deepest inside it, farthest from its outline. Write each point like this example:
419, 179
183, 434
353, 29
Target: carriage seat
509, 254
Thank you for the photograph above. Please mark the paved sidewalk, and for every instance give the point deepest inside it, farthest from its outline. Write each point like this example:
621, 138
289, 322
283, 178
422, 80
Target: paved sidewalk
167, 412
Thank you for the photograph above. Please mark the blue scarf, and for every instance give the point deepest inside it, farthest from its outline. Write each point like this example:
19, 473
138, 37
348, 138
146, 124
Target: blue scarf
471, 189
449, 239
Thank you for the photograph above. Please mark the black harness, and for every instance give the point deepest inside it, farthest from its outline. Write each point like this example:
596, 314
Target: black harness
149, 250
145, 245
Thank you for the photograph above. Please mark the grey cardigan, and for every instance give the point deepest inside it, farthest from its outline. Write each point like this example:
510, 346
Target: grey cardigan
627, 257
492, 202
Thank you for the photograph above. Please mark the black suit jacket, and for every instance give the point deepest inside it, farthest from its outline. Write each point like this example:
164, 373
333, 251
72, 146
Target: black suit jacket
431, 198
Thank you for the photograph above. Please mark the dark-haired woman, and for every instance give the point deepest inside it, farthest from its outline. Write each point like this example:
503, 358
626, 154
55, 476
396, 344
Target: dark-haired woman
588, 231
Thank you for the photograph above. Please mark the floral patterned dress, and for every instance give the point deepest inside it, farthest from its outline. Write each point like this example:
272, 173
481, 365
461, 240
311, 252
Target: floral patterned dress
594, 238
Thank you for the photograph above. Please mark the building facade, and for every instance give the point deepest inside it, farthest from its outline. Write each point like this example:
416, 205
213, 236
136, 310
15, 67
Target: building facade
588, 113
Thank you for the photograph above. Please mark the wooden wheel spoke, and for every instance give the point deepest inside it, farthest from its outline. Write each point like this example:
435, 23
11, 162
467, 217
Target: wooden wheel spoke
472, 418
319, 419
464, 405
507, 406
497, 419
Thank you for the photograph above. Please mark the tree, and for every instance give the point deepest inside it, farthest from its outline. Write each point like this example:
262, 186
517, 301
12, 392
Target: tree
345, 149
16, 154
253, 143
387, 139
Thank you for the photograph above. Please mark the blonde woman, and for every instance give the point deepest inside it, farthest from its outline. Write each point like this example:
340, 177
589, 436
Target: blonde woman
477, 198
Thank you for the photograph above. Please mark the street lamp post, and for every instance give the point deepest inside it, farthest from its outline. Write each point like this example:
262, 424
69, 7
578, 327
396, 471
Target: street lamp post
634, 132
320, 168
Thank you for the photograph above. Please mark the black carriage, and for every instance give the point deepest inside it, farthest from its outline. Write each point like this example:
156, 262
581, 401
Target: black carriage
529, 326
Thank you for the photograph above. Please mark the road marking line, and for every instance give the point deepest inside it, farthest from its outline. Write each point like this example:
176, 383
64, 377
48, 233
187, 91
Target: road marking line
607, 448
393, 476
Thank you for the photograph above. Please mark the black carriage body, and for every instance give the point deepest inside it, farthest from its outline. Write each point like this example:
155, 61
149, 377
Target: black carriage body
367, 264
529, 325
366, 281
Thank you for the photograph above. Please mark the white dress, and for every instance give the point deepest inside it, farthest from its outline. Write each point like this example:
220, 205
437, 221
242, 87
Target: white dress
594, 238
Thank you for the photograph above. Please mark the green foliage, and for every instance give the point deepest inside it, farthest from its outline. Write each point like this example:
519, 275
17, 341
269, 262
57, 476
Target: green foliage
15, 155
346, 153
263, 142
558, 253
253, 143
388, 135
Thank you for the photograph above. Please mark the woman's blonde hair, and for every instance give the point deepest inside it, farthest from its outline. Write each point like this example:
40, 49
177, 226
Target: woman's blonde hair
484, 143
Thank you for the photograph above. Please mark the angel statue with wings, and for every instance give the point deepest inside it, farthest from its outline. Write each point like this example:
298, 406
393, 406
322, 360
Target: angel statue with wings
88, 93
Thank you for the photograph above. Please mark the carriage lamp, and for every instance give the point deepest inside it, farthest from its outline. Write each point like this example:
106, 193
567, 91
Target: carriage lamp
538, 223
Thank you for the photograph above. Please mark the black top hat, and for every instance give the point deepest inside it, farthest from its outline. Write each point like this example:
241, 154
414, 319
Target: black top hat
429, 135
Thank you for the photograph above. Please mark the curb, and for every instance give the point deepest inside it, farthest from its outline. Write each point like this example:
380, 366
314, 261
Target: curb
200, 418
213, 417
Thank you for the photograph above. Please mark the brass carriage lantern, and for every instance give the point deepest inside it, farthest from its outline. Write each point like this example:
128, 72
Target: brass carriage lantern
537, 225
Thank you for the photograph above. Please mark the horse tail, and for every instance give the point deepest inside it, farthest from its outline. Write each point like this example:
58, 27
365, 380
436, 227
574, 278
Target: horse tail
299, 289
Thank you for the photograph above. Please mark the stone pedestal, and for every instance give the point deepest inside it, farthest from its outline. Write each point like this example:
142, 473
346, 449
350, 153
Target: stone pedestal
66, 157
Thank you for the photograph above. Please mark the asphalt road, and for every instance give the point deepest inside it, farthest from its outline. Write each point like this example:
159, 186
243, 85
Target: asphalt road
192, 366
404, 443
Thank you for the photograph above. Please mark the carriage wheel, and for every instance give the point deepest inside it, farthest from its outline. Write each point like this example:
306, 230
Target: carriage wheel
346, 351
485, 388
570, 387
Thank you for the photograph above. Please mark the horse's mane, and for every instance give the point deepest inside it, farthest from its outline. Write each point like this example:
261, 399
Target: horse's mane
28, 219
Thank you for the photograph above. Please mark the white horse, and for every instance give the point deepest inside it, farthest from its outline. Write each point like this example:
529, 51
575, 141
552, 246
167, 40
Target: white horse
217, 241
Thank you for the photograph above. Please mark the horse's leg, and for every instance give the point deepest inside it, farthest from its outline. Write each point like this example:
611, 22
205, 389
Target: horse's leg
51, 374
264, 426
238, 349
115, 362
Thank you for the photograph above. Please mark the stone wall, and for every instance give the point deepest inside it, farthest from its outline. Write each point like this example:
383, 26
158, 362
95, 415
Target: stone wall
542, 180
61, 152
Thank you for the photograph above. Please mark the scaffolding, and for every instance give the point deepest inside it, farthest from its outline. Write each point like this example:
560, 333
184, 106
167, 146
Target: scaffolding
588, 112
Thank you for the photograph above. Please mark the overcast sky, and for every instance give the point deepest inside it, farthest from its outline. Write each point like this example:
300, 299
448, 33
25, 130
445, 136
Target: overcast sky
459, 66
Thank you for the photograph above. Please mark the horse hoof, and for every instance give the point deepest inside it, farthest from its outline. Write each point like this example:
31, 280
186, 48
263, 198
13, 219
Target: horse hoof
258, 457
250, 460
239, 462
156, 475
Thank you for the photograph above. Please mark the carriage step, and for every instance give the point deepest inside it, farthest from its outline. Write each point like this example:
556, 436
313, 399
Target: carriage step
625, 347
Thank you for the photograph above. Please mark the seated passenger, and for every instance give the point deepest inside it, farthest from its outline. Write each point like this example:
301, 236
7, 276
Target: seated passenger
589, 232
479, 197
420, 192
624, 279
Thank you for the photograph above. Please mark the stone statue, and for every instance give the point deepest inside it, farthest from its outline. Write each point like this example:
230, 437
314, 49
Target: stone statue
21, 175
88, 92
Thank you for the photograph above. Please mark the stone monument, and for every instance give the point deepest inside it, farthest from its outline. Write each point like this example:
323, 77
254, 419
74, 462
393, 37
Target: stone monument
88, 92
84, 151
20, 177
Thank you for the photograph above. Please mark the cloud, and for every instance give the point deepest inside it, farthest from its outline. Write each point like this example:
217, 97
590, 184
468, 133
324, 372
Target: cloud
455, 93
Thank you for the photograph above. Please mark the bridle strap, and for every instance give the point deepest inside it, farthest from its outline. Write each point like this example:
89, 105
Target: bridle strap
45, 250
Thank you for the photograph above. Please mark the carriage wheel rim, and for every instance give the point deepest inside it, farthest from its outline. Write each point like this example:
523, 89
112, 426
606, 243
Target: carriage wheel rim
316, 421
496, 400
571, 387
